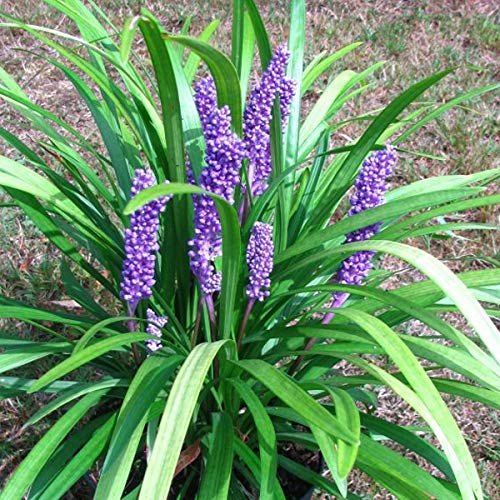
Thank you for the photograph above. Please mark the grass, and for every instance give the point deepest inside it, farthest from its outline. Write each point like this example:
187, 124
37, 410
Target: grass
414, 38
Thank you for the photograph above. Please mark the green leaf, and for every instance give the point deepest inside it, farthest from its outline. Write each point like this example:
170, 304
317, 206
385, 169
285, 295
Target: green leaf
294, 71
95, 329
322, 66
265, 50
312, 477
448, 282
175, 420
80, 464
457, 206
266, 436
217, 475
408, 439
20, 385
469, 391
162, 56
440, 183
237, 35
252, 462
414, 310
320, 110
247, 56
348, 414
454, 359
390, 210
194, 59
39, 216
40, 454
64, 453
427, 292
444, 107
401, 477
17, 176
149, 380
14, 358
76, 291
71, 394
294, 396
128, 33
224, 74
86, 355
426, 399
373, 132
331, 456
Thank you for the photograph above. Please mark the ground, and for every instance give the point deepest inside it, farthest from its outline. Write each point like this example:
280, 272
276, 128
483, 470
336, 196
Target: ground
415, 38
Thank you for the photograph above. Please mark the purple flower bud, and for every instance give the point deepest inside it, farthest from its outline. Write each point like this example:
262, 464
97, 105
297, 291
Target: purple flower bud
153, 328
370, 188
260, 252
223, 156
138, 275
258, 115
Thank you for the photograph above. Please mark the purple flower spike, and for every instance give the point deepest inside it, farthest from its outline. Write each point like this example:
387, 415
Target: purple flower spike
224, 149
223, 156
370, 188
153, 328
260, 252
258, 114
138, 275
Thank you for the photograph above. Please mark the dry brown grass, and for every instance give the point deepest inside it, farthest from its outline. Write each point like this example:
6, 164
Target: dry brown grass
415, 38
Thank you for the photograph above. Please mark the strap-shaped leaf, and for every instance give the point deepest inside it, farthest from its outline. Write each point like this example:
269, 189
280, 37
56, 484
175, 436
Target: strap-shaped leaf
347, 413
86, 355
266, 436
314, 71
217, 475
224, 74
148, 381
295, 397
330, 454
252, 462
444, 278
14, 358
80, 463
410, 440
374, 131
175, 420
426, 399
390, 210
26, 473
401, 477
73, 393
194, 59
162, 56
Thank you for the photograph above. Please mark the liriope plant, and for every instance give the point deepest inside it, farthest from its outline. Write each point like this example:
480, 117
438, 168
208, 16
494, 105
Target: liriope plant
231, 330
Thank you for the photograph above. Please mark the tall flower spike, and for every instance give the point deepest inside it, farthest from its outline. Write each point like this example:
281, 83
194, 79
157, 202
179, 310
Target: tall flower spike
141, 244
258, 114
260, 252
370, 188
223, 156
153, 328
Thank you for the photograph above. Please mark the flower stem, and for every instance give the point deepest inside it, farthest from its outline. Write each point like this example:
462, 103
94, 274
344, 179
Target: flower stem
197, 323
209, 301
131, 327
244, 323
